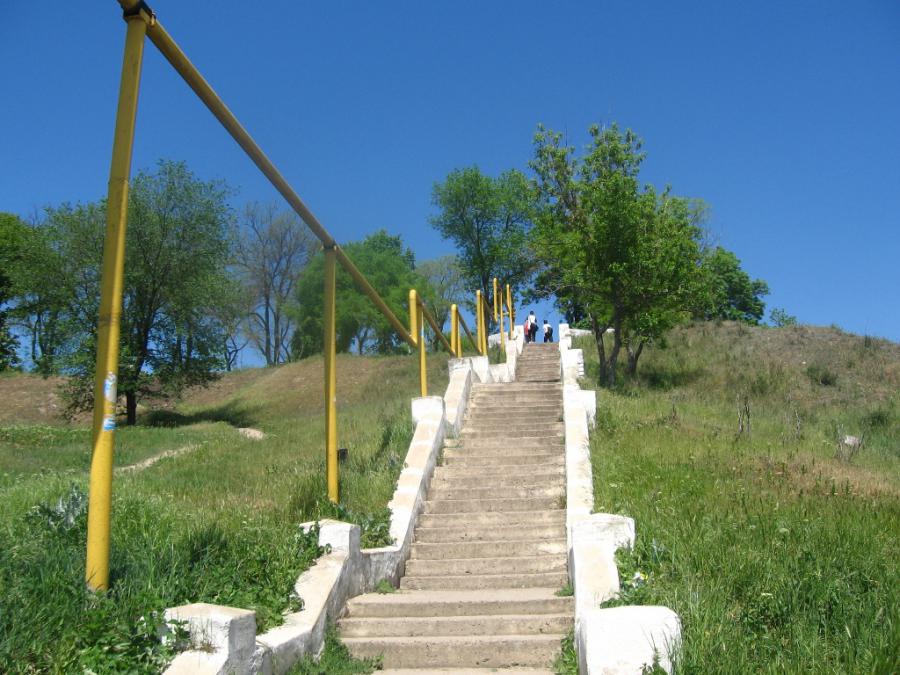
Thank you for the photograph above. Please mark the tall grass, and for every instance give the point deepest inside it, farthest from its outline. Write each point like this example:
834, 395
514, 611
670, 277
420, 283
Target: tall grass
777, 556
218, 523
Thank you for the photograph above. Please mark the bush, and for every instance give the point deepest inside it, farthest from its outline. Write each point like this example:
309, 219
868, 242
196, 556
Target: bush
781, 318
820, 374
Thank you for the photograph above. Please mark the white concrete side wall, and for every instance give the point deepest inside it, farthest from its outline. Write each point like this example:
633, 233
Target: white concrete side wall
608, 641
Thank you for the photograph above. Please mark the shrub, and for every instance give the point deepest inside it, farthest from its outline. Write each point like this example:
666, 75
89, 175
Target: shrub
820, 374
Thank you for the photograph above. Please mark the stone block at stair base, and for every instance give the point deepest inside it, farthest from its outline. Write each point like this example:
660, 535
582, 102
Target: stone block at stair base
223, 638
625, 640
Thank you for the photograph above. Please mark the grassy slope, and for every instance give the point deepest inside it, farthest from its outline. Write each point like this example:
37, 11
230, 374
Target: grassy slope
216, 523
777, 556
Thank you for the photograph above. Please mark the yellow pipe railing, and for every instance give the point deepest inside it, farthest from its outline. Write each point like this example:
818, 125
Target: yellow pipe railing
107, 366
330, 348
142, 22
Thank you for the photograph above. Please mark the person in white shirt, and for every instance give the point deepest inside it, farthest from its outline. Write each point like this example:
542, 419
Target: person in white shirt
548, 332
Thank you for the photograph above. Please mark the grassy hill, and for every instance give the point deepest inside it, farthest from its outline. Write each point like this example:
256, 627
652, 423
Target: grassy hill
214, 519
778, 555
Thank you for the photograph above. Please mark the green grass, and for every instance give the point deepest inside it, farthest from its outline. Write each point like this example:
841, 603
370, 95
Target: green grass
217, 523
777, 556
335, 660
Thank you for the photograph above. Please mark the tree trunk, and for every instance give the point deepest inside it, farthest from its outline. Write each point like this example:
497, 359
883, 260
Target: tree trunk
614, 355
601, 348
633, 356
130, 407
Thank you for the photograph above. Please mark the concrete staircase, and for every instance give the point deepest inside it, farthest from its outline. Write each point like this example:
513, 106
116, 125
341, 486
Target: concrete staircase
479, 593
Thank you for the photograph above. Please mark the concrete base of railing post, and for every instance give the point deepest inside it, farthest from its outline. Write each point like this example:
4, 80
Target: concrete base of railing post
223, 639
627, 640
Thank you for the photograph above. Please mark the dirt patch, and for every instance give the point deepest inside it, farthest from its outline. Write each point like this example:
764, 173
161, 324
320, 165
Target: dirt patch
150, 461
31, 399
818, 475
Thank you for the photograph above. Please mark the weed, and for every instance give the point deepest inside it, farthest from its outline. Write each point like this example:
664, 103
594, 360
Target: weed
385, 586
566, 662
566, 591
334, 660
820, 374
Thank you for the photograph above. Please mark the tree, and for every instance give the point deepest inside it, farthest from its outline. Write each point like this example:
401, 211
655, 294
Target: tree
13, 233
273, 248
623, 255
177, 249
447, 287
57, 281
781, 319
487, 219
389, 267
733, 295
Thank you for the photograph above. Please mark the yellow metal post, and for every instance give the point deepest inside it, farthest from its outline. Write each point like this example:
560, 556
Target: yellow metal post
417, 331
454, 331
502, 330
512, 312
479, 321
330, 348
498, 301
423, 364
107, 367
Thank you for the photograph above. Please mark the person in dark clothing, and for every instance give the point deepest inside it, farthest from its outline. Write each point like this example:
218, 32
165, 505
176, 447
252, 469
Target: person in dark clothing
548, 332
532, 326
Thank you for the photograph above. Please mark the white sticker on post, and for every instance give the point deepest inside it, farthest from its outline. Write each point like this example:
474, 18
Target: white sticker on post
109, 388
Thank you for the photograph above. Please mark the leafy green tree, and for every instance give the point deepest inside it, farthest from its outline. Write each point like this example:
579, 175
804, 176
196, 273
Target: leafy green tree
625, 256
781, 319
733, 295
177, 248
13, 234
389, 267
57, 284
488, 220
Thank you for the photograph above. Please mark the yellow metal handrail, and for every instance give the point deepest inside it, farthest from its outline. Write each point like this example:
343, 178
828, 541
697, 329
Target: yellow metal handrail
142, 22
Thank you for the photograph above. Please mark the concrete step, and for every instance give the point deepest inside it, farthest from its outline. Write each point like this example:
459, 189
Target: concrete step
514, 414
485, 651
494, 518
454, 567
460, 603
497, 459
471, 582
492, 624
465, 671
524, 414
512, 451
555, 431
523, 400
512, 427
481, 505
538, 471
489, 549
468, 492
499, 483
489, 534
488, 442
540, 391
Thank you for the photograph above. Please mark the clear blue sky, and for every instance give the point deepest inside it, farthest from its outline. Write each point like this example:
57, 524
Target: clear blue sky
785, 117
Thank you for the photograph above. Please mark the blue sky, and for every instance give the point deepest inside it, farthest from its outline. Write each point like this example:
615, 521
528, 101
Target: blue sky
785, 117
